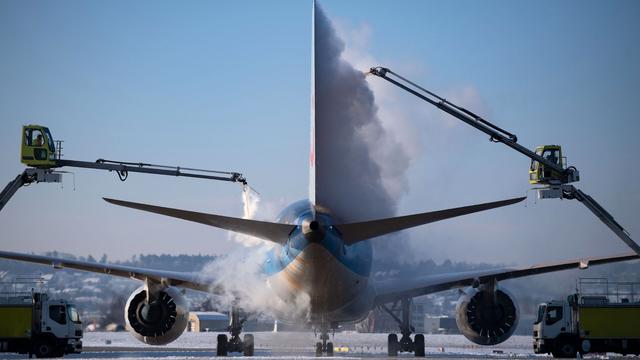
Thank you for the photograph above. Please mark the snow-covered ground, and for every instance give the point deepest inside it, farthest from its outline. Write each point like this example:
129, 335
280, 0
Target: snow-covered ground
304, 341
291, 345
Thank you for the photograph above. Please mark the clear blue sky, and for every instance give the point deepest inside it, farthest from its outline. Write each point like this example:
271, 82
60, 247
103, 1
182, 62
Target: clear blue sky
225, 85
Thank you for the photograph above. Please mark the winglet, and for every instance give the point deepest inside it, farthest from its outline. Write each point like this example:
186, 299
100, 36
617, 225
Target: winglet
275, 232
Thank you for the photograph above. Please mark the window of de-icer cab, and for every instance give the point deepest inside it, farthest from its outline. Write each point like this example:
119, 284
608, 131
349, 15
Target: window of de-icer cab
554, 314
58, 314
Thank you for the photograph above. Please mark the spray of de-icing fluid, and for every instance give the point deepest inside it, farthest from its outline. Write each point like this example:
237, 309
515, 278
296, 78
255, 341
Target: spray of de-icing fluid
240, 274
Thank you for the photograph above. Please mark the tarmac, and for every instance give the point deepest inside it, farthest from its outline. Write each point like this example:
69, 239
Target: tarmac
295, 345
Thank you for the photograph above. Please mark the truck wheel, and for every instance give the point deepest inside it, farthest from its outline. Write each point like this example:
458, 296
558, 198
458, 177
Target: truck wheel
565, 349
43, 349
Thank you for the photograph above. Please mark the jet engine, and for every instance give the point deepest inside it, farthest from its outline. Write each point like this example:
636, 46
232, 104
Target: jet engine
158, 320
487, 315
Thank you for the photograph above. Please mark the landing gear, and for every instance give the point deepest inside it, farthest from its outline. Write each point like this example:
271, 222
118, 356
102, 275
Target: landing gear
324, 347
221, 347
248, 345
405, 344
418, 345
225, 345
392, 345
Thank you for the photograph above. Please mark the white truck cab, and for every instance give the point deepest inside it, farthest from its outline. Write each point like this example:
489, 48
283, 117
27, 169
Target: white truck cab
553, 321
61, 319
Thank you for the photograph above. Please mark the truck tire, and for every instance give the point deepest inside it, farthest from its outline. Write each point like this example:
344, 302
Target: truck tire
58, 352
44, 348
565, 348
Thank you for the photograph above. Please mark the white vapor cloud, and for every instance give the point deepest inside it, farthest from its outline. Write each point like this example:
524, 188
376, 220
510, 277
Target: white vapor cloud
361, 165
240, 274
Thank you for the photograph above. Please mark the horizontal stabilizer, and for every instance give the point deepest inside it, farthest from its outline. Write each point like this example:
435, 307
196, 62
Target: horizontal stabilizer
355, 232
276, 232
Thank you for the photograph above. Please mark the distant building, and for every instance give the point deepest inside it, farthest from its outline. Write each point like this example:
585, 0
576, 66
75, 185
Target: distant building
113, 327
417, 314
440, 325
379, 321
201, 321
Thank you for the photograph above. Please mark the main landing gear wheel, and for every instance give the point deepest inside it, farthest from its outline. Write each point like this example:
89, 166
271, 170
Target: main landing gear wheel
324, 347
329, 349
235, 344
405, 344
248, 345
392, 345
418, 345
221, 347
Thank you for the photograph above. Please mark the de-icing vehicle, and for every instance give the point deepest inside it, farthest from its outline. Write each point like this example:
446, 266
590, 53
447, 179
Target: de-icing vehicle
33, 323
602, 316
43, 156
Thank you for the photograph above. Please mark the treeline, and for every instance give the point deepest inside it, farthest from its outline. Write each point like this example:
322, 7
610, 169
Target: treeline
181, 262
382, 268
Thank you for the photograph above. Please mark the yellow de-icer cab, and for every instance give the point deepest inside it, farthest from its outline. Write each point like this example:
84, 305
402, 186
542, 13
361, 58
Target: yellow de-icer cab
539, 174
38, 148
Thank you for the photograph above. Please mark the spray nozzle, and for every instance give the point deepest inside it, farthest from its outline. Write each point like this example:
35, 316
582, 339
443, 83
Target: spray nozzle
379, 71
246, 188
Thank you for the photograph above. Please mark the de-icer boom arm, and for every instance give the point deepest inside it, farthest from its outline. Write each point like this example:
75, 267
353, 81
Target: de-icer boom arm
566, 175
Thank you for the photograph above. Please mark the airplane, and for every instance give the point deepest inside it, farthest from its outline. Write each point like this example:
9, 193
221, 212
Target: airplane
319, 254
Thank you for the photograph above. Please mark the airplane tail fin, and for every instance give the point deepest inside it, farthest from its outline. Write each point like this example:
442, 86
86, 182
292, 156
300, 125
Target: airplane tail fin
275, 232
356, 232
312, 128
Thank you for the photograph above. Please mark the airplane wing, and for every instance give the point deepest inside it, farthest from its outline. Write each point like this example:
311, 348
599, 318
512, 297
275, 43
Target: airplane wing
195, 281
392, 290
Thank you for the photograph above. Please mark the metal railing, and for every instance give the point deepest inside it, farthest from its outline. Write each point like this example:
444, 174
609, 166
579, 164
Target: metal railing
23, 286
613, 291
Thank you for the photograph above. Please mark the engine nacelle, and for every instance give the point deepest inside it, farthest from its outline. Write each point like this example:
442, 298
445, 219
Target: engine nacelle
159, 322
487, 317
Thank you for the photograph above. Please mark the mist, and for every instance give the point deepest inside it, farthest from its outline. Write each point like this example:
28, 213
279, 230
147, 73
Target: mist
361, 169
242, 280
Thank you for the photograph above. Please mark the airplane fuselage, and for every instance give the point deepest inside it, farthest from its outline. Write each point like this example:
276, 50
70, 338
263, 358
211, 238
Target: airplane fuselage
316, 262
